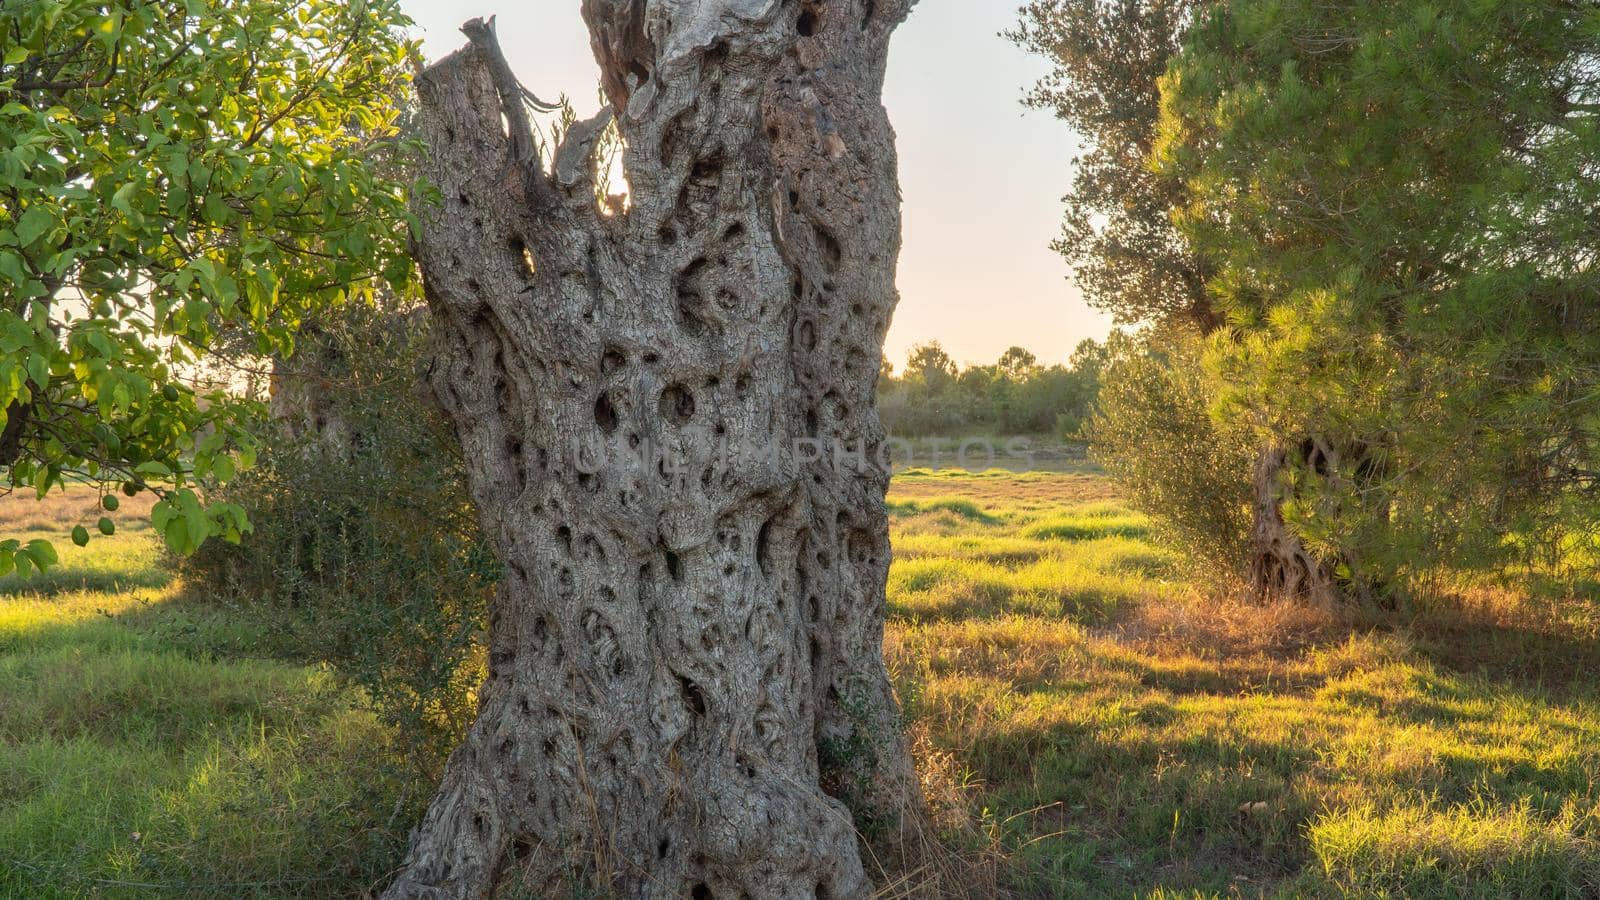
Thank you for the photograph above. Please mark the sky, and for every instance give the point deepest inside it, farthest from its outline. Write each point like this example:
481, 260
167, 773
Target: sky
981, 175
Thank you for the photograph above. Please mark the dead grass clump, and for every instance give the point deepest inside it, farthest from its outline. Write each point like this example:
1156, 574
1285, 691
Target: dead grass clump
950, 855
1227, 624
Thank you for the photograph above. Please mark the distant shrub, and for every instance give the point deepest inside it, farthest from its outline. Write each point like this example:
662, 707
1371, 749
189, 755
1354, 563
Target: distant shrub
1154, 434
919, 412
365, 552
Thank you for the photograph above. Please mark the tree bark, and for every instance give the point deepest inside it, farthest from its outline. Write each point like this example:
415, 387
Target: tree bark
14, 434
300, 398
1348, 479
1280, 565
686, 692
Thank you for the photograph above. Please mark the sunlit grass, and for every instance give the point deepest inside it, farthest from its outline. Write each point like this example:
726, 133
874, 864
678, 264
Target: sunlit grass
1087, 722
1475, 849
1089, 523
1110, 731
143, 754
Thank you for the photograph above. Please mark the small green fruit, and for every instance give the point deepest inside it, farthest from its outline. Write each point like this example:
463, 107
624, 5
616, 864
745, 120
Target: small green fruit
130, 488
110, 502
80, 536
107, 527
171, 393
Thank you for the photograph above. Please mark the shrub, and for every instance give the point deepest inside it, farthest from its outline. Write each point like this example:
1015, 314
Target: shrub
365, 553
1154, 434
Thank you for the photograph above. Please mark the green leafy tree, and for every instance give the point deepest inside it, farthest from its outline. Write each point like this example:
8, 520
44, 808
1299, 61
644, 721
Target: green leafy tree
1015, 395
931, 366
1017, 364
1399, 200
170, 172
1055, 400
982, 387
1108, 59
1091, 357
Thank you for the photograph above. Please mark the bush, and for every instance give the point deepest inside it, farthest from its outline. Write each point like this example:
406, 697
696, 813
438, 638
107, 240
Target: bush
365, 553
1154, 434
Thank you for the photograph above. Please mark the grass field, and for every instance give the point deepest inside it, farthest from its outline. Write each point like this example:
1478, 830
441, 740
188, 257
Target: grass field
148, 749
1087, 722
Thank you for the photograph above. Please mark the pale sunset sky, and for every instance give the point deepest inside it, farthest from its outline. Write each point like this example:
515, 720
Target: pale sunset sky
982, 176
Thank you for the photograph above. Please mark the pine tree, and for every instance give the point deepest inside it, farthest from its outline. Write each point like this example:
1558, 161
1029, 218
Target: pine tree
1399, 200
1118, 235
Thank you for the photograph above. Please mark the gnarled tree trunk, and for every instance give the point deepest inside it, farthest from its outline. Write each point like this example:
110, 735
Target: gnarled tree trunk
1280, 565
301, 399
686, 693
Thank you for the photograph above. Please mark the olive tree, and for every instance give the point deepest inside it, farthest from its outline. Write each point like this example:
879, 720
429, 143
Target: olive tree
667, 412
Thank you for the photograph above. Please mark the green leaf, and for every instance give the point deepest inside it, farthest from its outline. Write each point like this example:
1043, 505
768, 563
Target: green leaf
177, 537
11, 268
39, 369
195, 518
42, 552
119, 200
34, 223
161, 513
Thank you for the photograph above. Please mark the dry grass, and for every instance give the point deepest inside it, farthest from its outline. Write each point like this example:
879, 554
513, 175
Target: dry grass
1029, 490
21, 511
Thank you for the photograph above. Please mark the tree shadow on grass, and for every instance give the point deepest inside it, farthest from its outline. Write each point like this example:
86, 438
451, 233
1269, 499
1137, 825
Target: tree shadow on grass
130, 563
1536, 656
1180, 781
65, 580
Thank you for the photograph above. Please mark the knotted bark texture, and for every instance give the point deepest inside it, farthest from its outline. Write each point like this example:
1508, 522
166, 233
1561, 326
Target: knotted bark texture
1349, 482
1280, 565
686, 694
